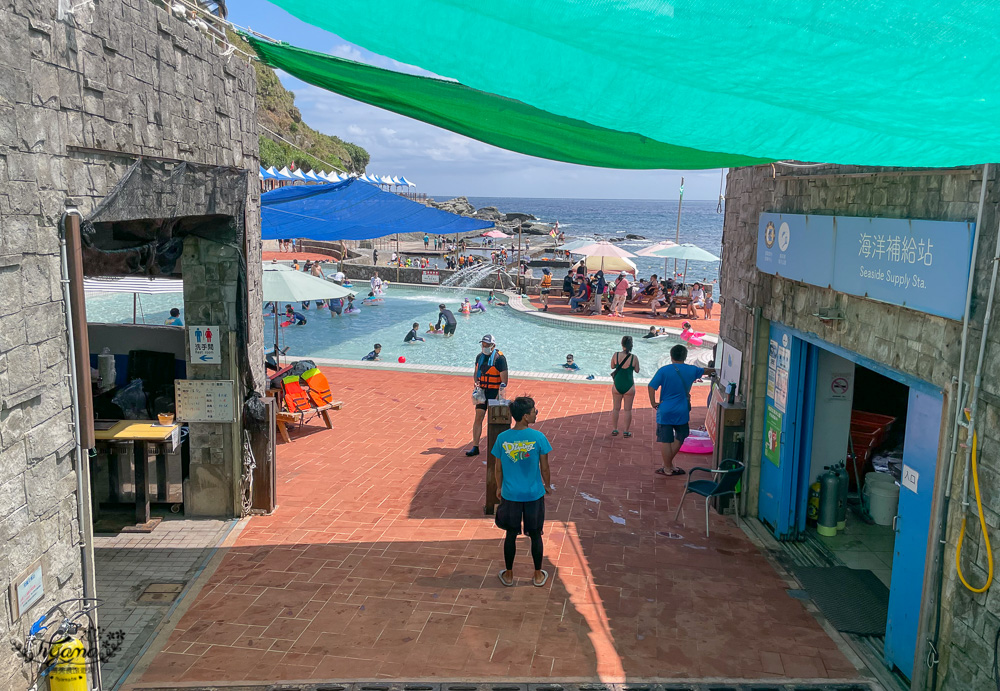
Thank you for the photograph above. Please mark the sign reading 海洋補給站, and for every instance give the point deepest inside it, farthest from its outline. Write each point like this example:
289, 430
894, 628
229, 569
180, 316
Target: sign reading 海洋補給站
913, 263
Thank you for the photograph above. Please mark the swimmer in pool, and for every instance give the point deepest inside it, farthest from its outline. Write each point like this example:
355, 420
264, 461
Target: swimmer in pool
478, 306
570, 364
293, 316
411, 335
432, 330
493, 300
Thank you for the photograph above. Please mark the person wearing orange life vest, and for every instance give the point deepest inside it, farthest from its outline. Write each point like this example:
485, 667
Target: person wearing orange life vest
545, 287
490, 377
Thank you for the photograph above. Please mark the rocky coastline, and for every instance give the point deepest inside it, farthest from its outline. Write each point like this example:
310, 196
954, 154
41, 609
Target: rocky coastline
462, 207
530, 224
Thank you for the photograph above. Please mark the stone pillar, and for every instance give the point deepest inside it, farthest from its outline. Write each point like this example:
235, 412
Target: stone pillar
210, 272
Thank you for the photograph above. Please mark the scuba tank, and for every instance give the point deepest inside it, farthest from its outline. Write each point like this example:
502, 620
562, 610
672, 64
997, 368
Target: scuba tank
845, 483
829, 499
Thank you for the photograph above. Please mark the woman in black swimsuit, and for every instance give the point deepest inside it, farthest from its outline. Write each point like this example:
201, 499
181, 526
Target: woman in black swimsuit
624, 366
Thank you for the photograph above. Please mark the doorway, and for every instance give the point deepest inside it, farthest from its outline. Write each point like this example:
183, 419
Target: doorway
827, 407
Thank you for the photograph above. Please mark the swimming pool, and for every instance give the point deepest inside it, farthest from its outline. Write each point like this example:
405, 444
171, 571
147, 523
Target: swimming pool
530, 344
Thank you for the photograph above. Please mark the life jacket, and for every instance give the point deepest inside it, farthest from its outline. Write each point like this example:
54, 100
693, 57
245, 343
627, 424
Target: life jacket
295, 398
546, 281
489, 377
319, 387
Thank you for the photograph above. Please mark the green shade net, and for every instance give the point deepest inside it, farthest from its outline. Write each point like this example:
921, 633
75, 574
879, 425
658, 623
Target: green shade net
875, 82
489, 118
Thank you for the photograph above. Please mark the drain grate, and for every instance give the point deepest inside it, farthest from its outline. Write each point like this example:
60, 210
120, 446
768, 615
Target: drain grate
160, 593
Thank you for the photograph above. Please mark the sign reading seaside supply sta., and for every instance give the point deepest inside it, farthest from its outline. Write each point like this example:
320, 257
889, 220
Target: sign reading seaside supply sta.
917, 264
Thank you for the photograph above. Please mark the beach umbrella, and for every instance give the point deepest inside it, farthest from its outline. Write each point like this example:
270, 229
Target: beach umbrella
573, 245
603, 249
495, 234
687, 252
607, 264
280, 284
648, 251
283, 285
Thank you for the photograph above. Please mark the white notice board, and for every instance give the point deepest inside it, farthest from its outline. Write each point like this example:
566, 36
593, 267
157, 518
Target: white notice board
199, 400
729, 361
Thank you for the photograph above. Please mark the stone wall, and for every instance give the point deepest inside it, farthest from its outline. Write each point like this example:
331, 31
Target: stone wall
80, 96
918, 344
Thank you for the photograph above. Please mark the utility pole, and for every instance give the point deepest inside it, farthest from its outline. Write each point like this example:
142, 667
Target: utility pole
677, 238
518, 274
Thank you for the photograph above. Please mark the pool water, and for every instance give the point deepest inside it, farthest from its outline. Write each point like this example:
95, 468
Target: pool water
529, 343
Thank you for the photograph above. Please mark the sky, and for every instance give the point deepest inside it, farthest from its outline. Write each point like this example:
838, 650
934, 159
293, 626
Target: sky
443, 163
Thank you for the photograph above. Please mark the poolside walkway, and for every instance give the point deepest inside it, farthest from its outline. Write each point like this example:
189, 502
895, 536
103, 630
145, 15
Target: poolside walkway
379, 563
634, 314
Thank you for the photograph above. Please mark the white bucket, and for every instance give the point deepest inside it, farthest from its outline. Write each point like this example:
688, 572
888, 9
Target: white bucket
883, 498
874, 476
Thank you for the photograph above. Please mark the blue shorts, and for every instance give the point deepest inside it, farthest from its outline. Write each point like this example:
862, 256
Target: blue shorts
665, 434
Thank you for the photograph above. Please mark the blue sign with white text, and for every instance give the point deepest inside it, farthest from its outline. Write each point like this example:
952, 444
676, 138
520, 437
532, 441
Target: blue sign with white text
796, 247
919, 264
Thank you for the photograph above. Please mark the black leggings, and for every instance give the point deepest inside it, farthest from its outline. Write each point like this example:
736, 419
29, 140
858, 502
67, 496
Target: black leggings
510, 547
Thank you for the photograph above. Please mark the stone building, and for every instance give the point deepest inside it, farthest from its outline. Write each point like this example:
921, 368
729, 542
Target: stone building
847, 318
91, 94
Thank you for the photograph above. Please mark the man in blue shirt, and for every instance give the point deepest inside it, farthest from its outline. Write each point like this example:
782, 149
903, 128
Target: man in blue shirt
673, 412
522, 475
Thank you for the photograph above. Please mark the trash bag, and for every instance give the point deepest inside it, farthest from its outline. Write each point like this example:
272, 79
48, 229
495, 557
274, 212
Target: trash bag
132, 400
300, 367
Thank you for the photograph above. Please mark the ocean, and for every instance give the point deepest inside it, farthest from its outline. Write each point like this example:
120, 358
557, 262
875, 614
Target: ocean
655, 220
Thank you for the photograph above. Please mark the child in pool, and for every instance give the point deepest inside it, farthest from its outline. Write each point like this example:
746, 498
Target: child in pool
411, 335
652, 333
465, 307
478, 307
570, 364
293, 316
432, 330
492, 299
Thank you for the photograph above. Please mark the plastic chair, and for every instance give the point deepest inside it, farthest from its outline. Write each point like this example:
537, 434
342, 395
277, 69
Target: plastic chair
728, 475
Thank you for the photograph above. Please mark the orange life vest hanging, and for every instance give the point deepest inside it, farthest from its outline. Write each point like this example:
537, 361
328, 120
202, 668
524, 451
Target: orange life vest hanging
319, 387
489, 377
295, 398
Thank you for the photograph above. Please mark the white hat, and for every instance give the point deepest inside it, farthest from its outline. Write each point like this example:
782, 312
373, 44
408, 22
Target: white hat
488, 338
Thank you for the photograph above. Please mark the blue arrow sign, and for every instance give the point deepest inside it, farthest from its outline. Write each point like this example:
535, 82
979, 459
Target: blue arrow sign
206, 357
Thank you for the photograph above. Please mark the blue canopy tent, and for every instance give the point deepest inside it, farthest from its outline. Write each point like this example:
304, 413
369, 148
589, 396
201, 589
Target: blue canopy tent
351, 210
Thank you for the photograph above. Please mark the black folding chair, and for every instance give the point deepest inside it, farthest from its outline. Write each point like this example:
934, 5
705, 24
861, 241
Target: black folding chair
727, 476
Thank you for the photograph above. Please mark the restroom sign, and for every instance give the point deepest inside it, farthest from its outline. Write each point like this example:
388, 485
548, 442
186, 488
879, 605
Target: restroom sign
204, 345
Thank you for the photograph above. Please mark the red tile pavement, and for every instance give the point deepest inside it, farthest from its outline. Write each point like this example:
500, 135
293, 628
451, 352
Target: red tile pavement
379, 563
634, 314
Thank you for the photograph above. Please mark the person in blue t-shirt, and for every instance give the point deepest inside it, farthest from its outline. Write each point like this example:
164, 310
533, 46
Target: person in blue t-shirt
522, 475
175, 318
673, 412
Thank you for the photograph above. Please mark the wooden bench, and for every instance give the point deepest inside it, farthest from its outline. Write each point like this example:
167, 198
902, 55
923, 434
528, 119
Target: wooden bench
285, 418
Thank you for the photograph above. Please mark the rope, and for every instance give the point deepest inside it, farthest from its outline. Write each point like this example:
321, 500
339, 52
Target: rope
982, 525
293, 145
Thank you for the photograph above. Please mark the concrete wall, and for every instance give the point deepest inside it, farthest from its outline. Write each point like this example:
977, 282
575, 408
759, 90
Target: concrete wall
117, 77
833, 413
914, 343
121, 338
